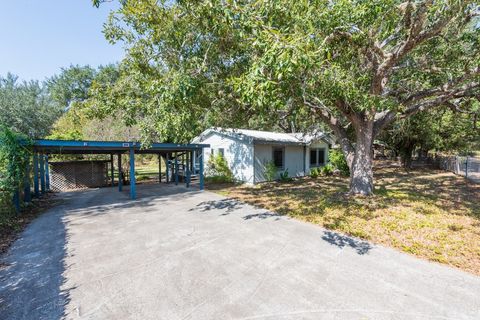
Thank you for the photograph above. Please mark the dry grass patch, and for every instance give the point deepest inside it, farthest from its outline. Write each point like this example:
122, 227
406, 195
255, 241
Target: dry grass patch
431, 214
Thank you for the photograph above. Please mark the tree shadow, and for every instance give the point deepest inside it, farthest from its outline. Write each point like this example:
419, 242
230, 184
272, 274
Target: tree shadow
342, 241
228, 205
32, 281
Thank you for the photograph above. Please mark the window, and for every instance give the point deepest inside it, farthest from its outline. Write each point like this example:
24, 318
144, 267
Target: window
321, 156
278, 154
317, 157
313, 157
212, 152
221, 151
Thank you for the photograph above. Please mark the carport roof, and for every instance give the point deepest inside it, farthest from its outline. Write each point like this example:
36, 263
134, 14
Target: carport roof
108, 147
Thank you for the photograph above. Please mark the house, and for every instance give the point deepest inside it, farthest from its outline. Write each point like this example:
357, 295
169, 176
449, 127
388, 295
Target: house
249, 151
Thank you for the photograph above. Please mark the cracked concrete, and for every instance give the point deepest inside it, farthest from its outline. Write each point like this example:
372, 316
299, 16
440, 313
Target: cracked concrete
184, 254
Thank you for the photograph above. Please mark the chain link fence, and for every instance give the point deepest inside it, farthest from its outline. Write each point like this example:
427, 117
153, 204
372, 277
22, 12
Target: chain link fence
469, 167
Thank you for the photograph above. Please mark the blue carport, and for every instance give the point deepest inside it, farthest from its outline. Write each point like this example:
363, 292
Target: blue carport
191, 156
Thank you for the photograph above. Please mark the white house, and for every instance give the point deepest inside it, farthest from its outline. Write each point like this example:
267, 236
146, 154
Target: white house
248, 151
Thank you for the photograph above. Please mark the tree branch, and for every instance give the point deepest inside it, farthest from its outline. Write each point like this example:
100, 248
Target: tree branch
327, 117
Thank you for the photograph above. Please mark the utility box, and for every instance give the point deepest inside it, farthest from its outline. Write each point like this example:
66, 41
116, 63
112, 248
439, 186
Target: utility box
73, 175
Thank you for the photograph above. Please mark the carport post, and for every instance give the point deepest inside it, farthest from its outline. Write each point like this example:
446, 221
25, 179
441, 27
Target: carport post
120, 178
27, 195
42, 173
47, 174
167, 167
35, 175
159, 168
133, 191
112, 169
176, 168
187, 167
201, 169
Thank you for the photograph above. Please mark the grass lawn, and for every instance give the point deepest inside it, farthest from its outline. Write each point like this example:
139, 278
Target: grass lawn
430, 214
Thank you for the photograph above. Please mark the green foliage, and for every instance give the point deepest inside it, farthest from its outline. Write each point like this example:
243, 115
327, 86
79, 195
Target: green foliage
14, 159
218, 169
338, 161
71, 85
285, 177
327, 170
270, 172
315, 172
26, 107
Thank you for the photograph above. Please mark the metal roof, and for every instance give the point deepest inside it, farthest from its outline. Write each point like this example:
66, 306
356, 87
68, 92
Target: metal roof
107, 147
258, 136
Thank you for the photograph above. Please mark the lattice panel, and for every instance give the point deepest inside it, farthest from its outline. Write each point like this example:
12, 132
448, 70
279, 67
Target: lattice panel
73, 175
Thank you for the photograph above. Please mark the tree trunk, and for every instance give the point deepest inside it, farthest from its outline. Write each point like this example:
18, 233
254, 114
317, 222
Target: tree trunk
361, 170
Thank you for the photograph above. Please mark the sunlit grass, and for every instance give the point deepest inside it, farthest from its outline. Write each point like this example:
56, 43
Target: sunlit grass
431, 214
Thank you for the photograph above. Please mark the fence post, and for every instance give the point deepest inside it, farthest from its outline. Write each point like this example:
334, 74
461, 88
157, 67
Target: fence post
466, 168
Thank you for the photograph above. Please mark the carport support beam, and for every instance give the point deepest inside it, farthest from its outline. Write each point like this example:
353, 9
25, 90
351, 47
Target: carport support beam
176, 168
133, 187
167, 167
35, 175
187, 168
159, 168
47, 174
42, 173
201, 170
120, 178
112, 169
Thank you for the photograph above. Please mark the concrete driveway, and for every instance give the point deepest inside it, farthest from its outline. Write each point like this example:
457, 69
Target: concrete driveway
178, 254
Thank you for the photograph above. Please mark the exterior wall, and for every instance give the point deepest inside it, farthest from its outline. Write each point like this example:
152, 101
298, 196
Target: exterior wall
239, 155
293, 160
316, 145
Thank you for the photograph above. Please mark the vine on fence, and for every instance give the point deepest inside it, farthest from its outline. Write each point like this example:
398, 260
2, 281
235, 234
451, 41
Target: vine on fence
14, 159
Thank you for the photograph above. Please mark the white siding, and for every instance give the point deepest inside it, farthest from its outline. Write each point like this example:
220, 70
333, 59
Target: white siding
239, 155
316, 145
293, 158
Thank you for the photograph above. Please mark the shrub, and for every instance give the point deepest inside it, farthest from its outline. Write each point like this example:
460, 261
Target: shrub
338, 161
327, 170
14, 158
218, 169
270, 171
284, 177
315, 172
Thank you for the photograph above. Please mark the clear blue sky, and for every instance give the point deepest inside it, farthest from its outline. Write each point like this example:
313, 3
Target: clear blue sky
38, 37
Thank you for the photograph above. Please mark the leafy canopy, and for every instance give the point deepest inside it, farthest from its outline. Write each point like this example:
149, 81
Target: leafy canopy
192, 64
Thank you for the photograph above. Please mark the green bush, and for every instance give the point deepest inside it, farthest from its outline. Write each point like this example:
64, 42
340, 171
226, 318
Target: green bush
315, 172
14, 157
327, 170
218, 169
284, 176
338, 161
270, 171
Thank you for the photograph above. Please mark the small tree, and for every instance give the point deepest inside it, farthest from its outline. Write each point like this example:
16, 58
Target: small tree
218, 169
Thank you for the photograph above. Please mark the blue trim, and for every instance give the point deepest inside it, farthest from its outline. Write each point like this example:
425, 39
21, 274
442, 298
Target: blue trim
42, 173
176, 169
122, 145
133, 187
47, 174
36, 187
202, 182
167, 167
187, 168
120, 178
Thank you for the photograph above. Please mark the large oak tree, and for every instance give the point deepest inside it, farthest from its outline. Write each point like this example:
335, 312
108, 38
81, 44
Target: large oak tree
353, 65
